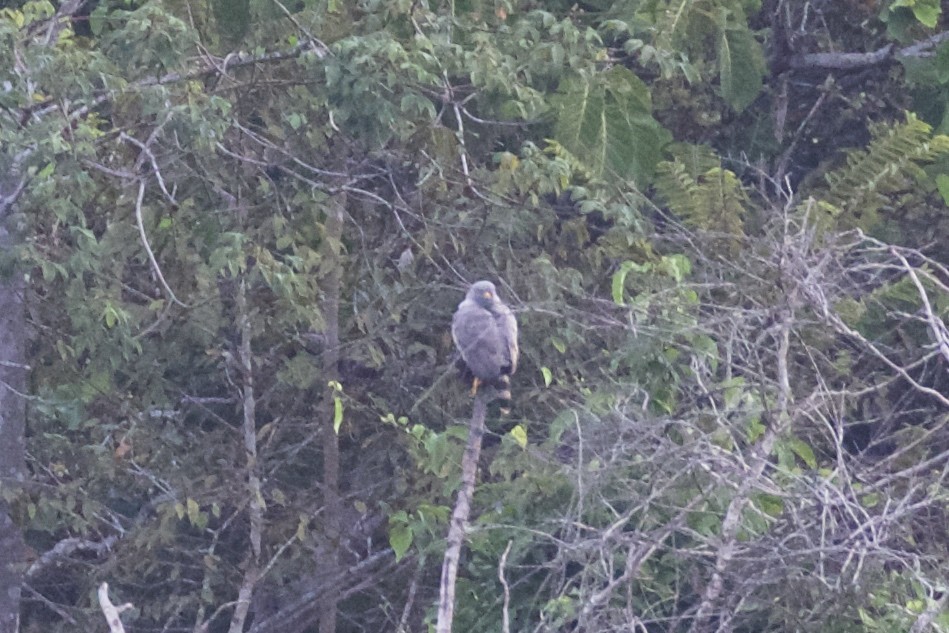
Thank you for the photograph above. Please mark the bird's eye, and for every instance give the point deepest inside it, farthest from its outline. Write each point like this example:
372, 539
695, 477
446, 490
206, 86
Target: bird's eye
487, 294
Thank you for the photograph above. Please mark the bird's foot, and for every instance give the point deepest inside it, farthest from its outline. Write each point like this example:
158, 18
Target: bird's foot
474, 386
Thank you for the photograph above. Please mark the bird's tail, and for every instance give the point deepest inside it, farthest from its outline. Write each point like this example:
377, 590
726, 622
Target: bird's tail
503, 386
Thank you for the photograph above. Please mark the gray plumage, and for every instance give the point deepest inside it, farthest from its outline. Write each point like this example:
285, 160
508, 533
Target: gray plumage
485, 332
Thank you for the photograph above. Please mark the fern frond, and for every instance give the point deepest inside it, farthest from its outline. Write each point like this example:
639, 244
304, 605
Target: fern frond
576, 165
679, 190
710, 200
726, 201
892, 159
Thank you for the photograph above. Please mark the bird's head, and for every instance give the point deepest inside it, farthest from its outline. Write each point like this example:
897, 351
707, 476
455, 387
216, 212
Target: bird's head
483, 293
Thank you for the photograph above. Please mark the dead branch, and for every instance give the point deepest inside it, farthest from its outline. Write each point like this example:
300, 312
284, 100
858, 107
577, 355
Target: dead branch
110, 611
855, 61
939, 331
332, 250
506, 610
65, 548
459, 516
255, 507
148, 249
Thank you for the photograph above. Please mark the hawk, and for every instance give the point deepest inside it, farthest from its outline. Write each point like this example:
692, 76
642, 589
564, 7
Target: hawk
485, 332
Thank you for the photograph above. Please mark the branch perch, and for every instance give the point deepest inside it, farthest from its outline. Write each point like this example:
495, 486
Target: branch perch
459, 516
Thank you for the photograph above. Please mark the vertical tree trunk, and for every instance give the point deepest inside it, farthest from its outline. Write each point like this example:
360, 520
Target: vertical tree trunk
255, 507
332, 246
12, 423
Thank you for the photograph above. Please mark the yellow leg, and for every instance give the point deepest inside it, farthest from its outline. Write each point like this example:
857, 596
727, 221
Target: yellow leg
474, 386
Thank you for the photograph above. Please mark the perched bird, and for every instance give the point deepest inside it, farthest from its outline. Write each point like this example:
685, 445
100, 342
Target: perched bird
485, 332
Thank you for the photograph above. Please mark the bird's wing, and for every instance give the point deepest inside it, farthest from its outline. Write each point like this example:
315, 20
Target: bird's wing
476, 336
507, 327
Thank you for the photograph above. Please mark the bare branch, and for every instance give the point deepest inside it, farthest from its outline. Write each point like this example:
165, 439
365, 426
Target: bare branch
148, 249
255, 506
110, 611
841, 61
937, 327
67, 547
854, 61
459, 516
7, 200
151, 158
506, 609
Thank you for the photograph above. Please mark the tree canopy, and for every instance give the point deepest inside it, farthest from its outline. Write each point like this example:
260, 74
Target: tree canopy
234, 232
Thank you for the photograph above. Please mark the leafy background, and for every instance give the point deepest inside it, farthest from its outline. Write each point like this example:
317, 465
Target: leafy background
241, 229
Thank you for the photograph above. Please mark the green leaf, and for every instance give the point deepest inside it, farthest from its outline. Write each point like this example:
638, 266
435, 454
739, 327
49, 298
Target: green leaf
548, 376
337, 414
18, 20
770, 504
558, 344
755, 429
705, 523
414, 104
606, 121
520, 435
942, 183
802, 450
619, 280
926, 11
193, 511
400, 539
733, 391
676, 266
741, 66
302, 525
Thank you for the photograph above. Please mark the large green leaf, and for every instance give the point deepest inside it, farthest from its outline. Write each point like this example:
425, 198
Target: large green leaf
926, 11
606, 120
741, 66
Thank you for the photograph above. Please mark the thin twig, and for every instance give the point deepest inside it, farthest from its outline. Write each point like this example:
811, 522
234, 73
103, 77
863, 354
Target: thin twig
151, 158
938, 328
410, 599
148, 249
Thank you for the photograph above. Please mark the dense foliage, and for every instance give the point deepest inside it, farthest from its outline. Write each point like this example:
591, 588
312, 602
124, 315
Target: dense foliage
241, 228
